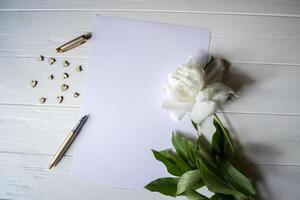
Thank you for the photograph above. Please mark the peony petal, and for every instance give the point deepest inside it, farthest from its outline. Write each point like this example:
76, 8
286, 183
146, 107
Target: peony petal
202, 110
201, 79
190, 61
220, 92
184, 83
176, 116
203, 95
176, 109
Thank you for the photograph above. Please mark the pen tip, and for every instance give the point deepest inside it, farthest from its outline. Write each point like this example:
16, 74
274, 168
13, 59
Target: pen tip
58, 50
50, 166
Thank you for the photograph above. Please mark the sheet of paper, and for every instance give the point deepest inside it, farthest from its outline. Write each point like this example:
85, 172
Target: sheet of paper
128, 67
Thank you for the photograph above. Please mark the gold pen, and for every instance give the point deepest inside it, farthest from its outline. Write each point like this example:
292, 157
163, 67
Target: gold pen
68, 141
74, 43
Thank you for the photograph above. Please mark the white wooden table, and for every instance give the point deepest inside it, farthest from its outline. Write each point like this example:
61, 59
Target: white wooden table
261, 39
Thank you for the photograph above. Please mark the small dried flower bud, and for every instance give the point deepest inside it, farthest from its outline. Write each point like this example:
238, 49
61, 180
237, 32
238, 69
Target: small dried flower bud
66, 63
51, 77
76, 94
65, 75
60, 99
64, 87
51, 61
33, 83
42, 100
41, 58
79, 68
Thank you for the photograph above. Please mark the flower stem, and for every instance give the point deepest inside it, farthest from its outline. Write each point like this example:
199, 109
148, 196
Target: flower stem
199, 130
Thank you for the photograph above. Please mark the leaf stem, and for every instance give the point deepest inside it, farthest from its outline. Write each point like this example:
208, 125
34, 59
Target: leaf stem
225, 132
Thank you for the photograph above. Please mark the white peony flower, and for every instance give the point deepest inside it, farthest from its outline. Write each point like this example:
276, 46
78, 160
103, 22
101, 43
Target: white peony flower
187, 92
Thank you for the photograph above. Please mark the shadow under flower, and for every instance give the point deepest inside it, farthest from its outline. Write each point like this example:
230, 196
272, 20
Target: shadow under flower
236, 80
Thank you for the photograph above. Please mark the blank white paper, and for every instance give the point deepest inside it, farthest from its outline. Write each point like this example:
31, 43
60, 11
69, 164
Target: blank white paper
128, 67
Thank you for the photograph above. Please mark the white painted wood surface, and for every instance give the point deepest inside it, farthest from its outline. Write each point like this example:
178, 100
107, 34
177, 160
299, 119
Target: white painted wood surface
260, 38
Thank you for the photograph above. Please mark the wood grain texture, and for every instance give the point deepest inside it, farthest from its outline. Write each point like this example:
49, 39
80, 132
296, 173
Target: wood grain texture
288, 8
260, 38
233, 37
26, 177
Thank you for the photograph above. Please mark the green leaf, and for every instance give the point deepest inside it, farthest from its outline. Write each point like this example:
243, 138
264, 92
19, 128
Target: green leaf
222, 197
204, 152
171, 167
166, 186
198, 185
182, 146
225, 132
188, 180
192, 156
237, 179
193, 195
176, 159
218, 141
216, 184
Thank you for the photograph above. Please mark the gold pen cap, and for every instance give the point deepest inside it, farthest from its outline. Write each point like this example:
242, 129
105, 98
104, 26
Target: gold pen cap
74, 43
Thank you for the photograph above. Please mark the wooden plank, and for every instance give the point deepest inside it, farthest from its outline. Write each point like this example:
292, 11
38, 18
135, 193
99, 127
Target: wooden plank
254, 7
35, 130
25, 176
262, 88
41, 130
235, 38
